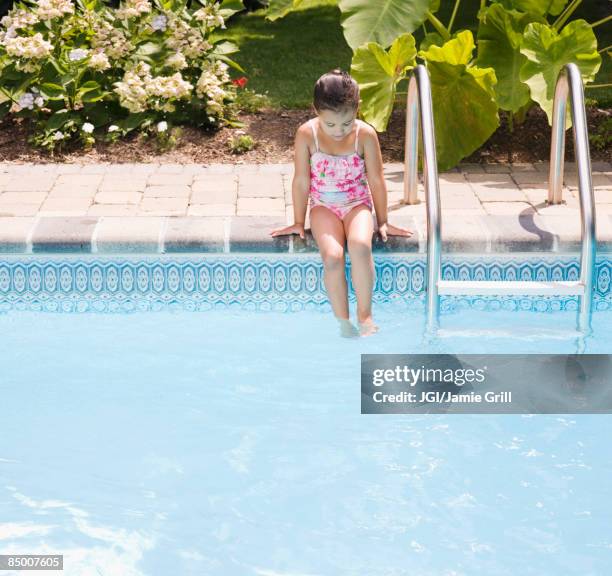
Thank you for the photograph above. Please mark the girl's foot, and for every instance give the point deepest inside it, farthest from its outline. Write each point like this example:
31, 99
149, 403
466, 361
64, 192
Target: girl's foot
347, 329
367, 327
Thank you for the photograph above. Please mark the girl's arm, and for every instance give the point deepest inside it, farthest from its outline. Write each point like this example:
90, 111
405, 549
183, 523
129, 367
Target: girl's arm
374, 170
378, 187
300, 187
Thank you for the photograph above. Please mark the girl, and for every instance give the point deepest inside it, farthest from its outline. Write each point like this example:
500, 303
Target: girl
332, 154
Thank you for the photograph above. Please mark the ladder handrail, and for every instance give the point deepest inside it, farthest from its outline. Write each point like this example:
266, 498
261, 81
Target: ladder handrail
418, 106
569, 84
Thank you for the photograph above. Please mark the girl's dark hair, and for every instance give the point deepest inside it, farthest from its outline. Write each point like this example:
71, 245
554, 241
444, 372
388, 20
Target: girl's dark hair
336, 90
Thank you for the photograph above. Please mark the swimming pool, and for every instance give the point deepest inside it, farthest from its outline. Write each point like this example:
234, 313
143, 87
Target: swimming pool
196, 415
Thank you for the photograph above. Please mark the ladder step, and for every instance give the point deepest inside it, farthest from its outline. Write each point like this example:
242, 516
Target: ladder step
485, 287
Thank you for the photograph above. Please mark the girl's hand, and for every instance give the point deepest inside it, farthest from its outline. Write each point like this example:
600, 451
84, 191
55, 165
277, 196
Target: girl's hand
293, 229
387, 229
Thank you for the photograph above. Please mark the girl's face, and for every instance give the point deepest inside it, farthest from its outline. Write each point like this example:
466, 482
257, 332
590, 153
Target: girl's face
337, 125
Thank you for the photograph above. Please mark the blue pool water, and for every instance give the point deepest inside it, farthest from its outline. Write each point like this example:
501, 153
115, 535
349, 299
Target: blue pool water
230, 442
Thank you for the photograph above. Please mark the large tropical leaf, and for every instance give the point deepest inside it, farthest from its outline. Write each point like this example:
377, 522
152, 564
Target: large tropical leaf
548, 52
230, 7
536, 7
380, 21
378, 72
463, 99
432, 38
280, 8
499, 47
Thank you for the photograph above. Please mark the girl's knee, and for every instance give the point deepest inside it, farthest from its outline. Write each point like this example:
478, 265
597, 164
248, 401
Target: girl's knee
333, 258
360, 248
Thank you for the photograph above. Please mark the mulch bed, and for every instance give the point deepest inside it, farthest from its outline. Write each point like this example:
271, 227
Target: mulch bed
274, 132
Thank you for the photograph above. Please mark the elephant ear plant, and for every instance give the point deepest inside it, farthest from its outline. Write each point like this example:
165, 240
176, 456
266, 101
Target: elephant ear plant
86, 70
511, 64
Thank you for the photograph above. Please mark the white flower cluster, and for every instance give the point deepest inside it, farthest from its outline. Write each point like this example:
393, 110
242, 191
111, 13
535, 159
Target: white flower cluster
183, 38
210, 16
132, 90
138, 85
160, 22
28, 100
29, 47
110, 40
177, 61
169, 87
77, 54
133, 9
19, 19
99, 60
50, 9
210, 85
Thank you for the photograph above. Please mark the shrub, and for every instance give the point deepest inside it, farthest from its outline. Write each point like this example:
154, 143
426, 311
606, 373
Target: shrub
241, 143
92, 70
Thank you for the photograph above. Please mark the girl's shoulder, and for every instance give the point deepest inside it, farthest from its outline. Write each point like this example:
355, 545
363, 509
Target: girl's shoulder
304, 128
365, 129
304, 135
368, 137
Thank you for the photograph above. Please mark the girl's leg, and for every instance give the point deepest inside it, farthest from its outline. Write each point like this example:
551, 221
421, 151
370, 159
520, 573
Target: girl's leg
359, 229
328, 232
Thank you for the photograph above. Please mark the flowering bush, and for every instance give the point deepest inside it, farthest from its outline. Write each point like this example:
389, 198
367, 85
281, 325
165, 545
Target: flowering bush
86, 70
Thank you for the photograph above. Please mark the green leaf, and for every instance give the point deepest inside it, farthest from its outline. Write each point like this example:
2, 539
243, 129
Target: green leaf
378, 72
133, 121
94, 95
89, 4
431, 39
52, 91
58, 119
380, 21
535, 7
499, 42
98, 114
66, 80
147, 49
230, 7
280, 8
234, 123
463, 99
547, 53
87, 86
225, 47
4, 108
231, 63
521, 113
11, 74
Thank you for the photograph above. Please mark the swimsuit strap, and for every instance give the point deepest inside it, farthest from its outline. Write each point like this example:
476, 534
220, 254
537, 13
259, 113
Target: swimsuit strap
357, 136
314, 133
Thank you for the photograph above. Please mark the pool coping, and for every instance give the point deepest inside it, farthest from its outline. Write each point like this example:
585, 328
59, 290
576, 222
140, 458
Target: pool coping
486, 209
489, 234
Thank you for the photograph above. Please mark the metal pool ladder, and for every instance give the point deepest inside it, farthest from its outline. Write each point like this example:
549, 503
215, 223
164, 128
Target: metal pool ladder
419, 106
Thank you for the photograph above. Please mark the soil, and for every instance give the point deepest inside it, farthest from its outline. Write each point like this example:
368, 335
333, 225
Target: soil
274, 131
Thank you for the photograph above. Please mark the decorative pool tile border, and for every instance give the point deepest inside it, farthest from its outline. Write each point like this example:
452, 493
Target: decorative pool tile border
260, 282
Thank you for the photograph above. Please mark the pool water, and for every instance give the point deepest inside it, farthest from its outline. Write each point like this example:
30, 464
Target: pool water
230, 443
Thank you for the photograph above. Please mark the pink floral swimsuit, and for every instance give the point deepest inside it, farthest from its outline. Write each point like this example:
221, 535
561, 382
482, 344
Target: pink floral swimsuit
338, 182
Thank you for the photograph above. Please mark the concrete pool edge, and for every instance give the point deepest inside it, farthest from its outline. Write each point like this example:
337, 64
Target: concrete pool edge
462, 233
